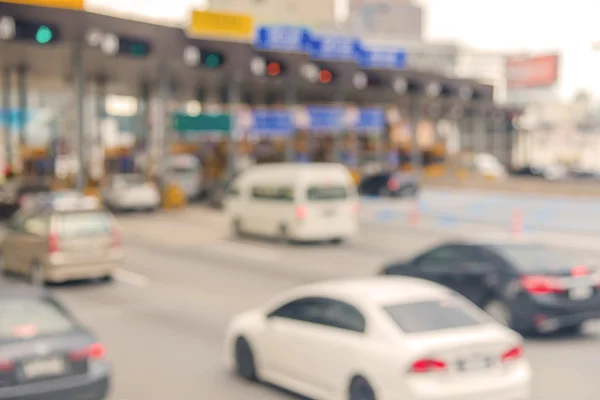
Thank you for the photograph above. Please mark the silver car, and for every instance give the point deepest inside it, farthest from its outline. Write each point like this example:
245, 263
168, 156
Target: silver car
130, 192
64, 239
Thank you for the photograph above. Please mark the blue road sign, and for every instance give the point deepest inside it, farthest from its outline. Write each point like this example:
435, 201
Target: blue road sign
370, 119
289, 38
325, 119
334, 48
272, 123
381, 57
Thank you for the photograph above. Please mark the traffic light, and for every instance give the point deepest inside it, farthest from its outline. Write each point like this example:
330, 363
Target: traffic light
325, 76
211, 59
26, 30
134, 47
274, 68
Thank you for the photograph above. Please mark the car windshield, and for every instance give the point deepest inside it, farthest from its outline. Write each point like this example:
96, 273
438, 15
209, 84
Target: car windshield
24, 318
81, 224
133, 179
325, 193
533, 258
434, 315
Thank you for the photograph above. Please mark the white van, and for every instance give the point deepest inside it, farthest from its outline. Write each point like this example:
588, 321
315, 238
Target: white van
295, 202
185, 171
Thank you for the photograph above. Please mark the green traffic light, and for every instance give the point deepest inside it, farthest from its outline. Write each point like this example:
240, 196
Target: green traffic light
213, 61
138, 49
43, 35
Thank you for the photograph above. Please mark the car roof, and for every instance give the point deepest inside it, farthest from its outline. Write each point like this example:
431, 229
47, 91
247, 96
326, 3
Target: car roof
378, 290
492, 239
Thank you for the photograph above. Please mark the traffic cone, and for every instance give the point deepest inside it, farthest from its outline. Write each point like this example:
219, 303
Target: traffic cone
414, 215
517, 225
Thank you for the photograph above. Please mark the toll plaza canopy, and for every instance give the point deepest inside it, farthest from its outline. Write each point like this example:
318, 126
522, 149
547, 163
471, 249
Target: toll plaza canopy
225, 59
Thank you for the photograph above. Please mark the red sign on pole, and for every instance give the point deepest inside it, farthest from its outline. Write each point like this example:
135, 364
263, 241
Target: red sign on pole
531, 72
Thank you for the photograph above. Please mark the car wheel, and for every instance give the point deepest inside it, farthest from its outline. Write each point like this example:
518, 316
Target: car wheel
337, 241
284, 236
499, 311
360, 389
410, 191
106, 278
244, 360
237, 228
36, 274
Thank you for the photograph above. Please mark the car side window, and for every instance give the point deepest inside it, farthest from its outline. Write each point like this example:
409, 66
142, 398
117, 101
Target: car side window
308, 309
341, 315
37, 225
440, 255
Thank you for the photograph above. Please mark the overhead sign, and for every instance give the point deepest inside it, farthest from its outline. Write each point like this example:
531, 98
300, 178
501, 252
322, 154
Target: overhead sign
335, 48
221, 25
294, 39
325, 119
382, 58
70, 4
272, 123
531, 72
203, 123
370, 120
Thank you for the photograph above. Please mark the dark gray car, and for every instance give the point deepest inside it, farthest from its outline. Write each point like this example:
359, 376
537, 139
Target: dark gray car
45, 353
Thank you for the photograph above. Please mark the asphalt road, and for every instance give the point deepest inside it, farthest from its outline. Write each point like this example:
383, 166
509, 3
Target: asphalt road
539, 212
163, 318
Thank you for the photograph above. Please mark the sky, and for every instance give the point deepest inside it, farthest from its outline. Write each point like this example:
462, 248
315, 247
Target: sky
567, 26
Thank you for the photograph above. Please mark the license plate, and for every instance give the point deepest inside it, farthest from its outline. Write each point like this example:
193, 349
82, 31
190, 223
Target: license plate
44, 367
474, 364
581, 293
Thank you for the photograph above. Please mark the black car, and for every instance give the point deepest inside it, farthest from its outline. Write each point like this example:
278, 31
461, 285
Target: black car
45, 353
389, 184
13, 194
530, 287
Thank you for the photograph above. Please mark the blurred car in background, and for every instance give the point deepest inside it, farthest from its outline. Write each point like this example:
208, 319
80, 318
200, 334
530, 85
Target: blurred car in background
294, 202
379, 338
45, 353
14, 192
529, 287
130, 192
185, 171
389, 184
61, 239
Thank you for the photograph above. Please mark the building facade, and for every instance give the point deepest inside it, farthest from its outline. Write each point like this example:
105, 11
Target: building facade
397, 19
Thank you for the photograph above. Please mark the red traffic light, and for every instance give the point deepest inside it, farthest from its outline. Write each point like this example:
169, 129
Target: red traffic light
325, 76
273, 69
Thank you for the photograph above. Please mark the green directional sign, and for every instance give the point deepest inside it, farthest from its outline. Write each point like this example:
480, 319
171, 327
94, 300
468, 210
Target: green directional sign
202, 123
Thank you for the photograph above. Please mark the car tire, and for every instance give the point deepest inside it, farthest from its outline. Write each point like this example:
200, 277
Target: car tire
106, 278
284, 236
236, 228
245, 366
499, 311
337, 241
36, 274
409, 191
360, 389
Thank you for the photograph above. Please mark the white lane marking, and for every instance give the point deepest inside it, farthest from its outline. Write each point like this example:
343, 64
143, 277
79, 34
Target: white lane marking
244, 250
131, 278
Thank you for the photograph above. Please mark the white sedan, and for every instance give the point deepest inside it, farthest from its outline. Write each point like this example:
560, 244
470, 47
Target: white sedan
382, 338
130, 192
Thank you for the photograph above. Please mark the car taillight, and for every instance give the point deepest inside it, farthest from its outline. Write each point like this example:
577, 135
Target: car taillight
425, 365
301, 212
53, 243
115, 238
537, 285
393, 184
513, 353
6, 366
95, 352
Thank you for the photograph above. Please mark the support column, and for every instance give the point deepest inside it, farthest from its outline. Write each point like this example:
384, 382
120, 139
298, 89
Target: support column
143, 138
480, 129
23, 102
6, 86
162, 129
78, 73
415, 117
290, 102
233, 99
96, 167
338, 139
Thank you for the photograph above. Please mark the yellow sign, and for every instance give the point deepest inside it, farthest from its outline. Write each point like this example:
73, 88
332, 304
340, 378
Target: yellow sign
70, 4
221, 25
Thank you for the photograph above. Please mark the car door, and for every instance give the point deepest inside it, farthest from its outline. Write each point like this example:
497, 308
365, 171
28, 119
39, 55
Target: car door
477, 274
289, 345
13, 245
443, 265
334, 355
